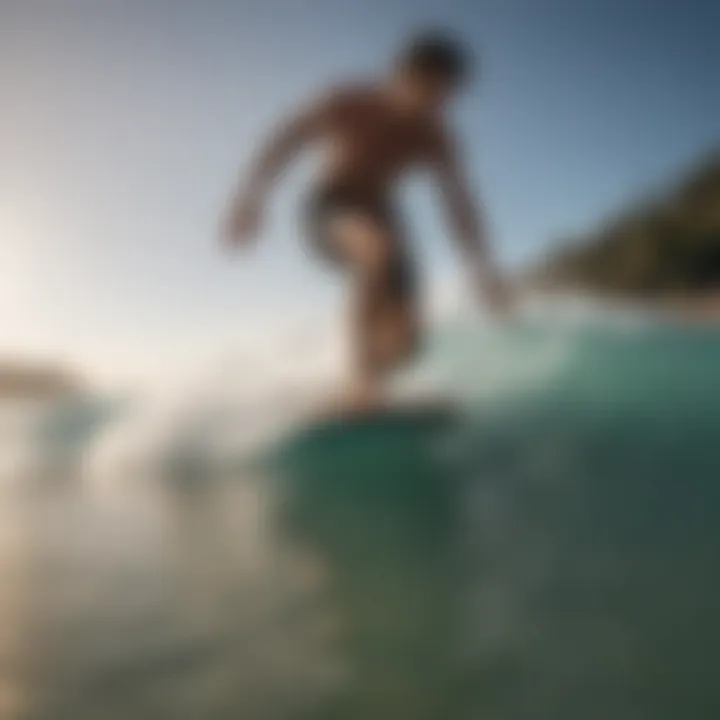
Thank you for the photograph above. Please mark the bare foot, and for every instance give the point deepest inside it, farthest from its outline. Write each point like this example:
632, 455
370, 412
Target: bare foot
355, 401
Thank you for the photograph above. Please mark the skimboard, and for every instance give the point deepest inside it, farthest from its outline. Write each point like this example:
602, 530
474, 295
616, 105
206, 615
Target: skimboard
381, 436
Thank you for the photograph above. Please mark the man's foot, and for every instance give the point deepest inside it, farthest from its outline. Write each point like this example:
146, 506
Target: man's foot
361, 400
353, 402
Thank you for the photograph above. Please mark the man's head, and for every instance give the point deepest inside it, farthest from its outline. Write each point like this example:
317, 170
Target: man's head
432, 68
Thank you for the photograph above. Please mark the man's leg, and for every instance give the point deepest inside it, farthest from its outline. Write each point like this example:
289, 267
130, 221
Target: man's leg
384, 322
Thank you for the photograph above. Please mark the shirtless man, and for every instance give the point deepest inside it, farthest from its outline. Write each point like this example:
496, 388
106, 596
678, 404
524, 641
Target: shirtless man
372, 134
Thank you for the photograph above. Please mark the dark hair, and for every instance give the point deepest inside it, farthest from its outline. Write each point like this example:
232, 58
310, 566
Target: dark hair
438, 54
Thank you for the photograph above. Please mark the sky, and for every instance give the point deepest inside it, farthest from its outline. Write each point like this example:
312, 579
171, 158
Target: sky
124, 123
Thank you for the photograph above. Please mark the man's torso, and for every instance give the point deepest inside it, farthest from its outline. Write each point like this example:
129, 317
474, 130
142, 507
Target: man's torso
371, 143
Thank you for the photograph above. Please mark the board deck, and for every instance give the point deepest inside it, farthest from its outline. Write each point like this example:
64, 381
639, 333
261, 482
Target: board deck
409, 416
380, 435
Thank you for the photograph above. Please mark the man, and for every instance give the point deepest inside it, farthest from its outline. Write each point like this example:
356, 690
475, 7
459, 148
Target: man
373, 133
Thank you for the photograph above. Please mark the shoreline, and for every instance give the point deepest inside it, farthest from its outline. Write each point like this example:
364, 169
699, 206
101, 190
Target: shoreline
698, 308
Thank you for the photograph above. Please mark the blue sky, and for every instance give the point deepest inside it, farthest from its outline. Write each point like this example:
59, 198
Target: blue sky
124, 123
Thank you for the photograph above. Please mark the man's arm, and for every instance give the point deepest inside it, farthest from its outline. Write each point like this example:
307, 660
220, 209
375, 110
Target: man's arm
276, 154
467, 217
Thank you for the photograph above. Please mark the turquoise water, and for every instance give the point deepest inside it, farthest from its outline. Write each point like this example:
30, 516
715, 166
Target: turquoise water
553, 555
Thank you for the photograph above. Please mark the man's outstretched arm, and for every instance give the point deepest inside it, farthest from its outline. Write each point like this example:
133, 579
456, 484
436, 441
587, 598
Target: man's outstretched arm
467, 217
246, 210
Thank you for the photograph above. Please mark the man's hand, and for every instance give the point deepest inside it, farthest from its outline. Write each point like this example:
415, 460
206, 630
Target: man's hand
244, 222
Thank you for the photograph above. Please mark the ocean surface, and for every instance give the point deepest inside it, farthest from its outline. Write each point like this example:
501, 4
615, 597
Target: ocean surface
552, 556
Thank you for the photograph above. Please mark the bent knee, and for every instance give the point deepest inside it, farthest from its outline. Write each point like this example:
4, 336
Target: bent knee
400, 337
365, 242
409, 341
378, 265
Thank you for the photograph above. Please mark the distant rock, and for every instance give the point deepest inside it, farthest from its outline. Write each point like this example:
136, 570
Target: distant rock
37, 381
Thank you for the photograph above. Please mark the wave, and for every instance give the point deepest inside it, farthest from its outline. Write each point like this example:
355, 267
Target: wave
573, 357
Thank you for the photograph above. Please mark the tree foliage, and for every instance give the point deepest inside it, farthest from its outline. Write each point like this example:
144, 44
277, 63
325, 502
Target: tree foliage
665, 247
